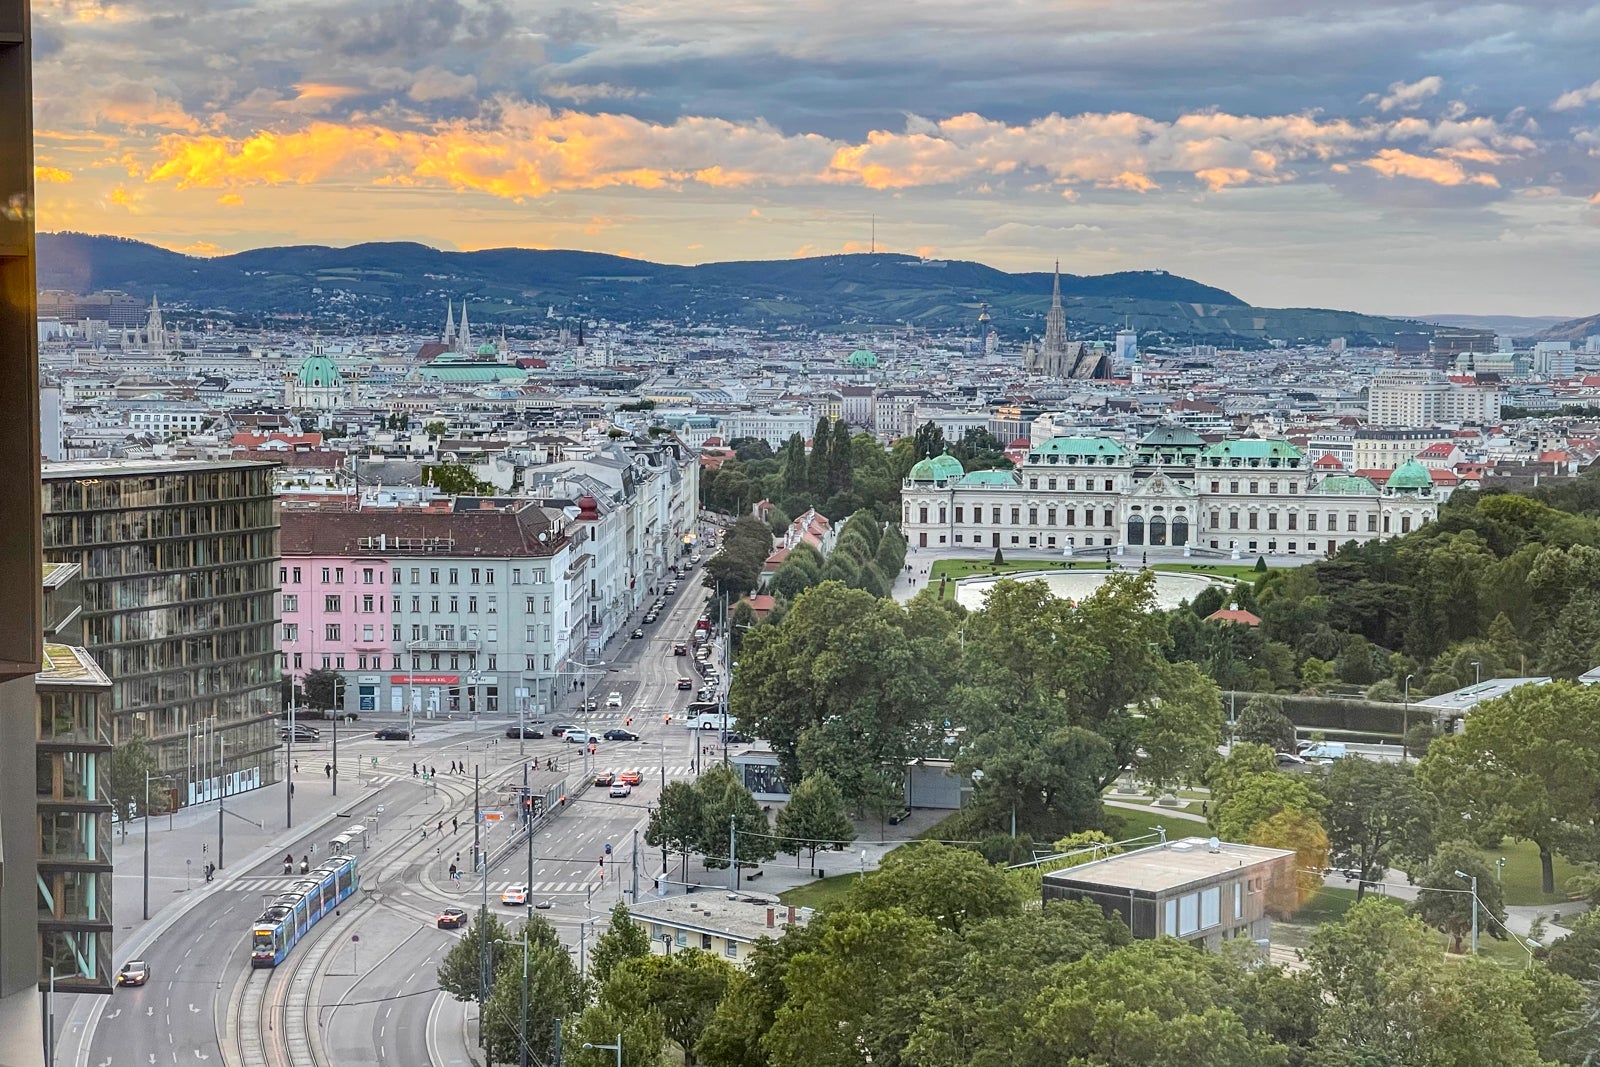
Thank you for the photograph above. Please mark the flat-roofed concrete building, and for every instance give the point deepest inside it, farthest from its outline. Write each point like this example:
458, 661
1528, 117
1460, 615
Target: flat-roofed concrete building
1187, 889
713, 923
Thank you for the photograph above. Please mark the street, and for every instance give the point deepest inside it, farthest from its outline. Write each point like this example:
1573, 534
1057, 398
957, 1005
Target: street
360, 987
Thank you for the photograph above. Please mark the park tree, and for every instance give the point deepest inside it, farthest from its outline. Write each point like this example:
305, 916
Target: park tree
1299, 831
817, 464
460, 972
623, 940
949, 886
730, 817
1257, 798
554, 991
734, 1035
1376, 816
684, 989
126, 779
1180, 727
733, 571
927, 441
1444, 899
1262, 722
676, 822
814, 819
1526, 765
617, 1016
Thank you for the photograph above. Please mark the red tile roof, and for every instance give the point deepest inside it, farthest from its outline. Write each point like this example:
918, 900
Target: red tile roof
1236, 616
506, 532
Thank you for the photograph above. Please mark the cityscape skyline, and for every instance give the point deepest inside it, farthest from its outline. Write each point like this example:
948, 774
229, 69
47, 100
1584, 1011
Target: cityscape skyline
1228, 143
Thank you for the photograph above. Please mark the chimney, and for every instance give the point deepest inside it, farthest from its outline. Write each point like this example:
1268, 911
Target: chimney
771, 918
791, 914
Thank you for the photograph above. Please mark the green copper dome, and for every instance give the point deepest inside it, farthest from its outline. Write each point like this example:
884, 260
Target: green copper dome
318, 372
990, 477
1410, 475
937, 469
1077, 450
1346, 484
488, 349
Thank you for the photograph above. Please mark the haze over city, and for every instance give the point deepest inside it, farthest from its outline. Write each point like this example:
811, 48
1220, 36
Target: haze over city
1404, 158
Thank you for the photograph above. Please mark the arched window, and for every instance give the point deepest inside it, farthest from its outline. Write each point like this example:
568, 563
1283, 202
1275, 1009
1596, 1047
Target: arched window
1180, 530
1158, 530
1136, 529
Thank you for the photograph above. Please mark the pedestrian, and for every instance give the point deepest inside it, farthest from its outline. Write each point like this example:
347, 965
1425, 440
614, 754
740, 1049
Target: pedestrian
297, 766
1205, 808
455, 824
413, 770
452, 872
433, 771
291, 789
327, 770
441, 826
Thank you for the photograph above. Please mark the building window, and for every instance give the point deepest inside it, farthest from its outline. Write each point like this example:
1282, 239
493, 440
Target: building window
330, 603
1216, 518
1350, 522
472, 605
291, 631
1051, 484
1110, 485
366, 634
474, 575
1109, 520
1294, 520
433, 575
299, 661
366, 603
1294, 488
1272, 487
1072, 485
1253, 520
1050, 518
291, 603
397, 633
1216, 487
394, 577
516, 575
1238, 900
396, 661
922, 514
455, 576
1272, 520
733, 950
283, 575
327, 576
296, 573
960, 513
1210, 907
416, 575
1372, 524
1255, 488
338, 576
433, 604
1016, 516
1033, 483
327, 662
1233, 487
1311, 521
331, 631
994, 515
1405, 524
366, 575
1072, 517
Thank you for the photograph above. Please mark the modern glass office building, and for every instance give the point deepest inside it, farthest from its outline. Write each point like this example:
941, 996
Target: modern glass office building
179, 573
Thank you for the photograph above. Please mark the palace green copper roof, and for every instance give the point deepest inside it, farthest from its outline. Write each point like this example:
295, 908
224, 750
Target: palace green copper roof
937, 469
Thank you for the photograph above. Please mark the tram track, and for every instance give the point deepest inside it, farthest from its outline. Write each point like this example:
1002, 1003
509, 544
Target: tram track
273, 1020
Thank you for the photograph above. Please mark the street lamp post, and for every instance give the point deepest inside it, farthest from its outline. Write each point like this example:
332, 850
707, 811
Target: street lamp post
1405, 719
617, 1047
1474, 880
1477, 672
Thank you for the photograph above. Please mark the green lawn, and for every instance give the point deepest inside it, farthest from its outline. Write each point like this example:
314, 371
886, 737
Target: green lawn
1327, 905
1129, 823
1522, 878
820, 893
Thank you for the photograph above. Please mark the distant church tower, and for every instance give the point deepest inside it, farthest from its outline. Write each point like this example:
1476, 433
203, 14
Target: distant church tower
449, 337
1055, 355
464, 337
155, 330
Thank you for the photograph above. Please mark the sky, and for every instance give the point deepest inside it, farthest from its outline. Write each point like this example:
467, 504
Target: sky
1393, 157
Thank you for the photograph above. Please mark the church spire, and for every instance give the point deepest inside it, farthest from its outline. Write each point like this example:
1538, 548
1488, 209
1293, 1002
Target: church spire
449, 337
466, 331
1055, 297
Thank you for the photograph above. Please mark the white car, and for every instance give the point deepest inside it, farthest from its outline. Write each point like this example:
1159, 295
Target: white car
516, 896
621, 789
613, 699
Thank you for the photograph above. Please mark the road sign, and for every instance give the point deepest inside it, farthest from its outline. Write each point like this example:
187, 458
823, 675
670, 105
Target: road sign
380, 809
491, 816
608, 848
355, 937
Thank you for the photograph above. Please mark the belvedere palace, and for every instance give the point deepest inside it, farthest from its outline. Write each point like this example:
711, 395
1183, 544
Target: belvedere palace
1247, 496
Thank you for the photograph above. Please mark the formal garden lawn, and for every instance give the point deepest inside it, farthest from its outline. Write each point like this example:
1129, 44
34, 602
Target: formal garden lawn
956, 569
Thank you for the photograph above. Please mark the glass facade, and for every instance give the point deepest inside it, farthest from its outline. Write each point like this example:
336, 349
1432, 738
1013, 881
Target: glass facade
179, 569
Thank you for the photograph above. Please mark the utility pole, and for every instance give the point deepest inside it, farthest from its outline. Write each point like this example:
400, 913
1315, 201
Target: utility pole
522, 1032
288, 771
221, 767
733, 844
338, 708
634, 893
483, 908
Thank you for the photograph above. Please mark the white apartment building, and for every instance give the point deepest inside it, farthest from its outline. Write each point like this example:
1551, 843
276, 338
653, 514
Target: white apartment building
1090, 494
1429, 398
774, 426
1554, 359
1379, 448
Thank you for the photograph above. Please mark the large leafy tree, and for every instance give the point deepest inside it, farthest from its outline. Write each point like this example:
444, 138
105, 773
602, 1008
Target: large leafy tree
130, 762
617, 1012
949, 886
1527, 765
1376, 815
727, 808
1445, 899
555, 990
460, 970
1179, 728
623, 940
321, 689
676, 821
815, 819
684, 989
733, 1037
733, 571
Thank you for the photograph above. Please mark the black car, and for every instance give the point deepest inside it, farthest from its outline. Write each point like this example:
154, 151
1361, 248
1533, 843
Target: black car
301, 734
620, 735
451, 918
637, 634
134, 972
393, 733
560, 730
525, 731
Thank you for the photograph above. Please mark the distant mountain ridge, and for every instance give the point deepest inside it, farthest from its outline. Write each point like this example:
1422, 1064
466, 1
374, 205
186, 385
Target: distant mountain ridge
1575, 330
405, 284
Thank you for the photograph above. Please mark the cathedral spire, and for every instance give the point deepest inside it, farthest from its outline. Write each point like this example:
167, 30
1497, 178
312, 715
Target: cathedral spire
449, 337
466, 331
1055, 297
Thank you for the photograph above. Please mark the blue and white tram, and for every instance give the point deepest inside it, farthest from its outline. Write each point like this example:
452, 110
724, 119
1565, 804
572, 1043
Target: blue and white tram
288, 918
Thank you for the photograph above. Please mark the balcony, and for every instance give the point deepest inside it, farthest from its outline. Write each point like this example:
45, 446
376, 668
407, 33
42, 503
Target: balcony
429, 644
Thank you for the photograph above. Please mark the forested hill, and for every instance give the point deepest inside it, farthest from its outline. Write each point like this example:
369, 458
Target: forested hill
407, 284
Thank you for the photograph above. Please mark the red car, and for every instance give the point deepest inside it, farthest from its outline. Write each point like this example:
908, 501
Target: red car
451, 918
685, 683
630, 777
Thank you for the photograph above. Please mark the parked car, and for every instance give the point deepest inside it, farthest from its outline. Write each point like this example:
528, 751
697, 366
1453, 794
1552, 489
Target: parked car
672, 587
134, 972
393, 733
621, 789
621, 735
524, 731
637, 634
1289, 759
651, 617
613, 699
604, 778
451, 918
685, 683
